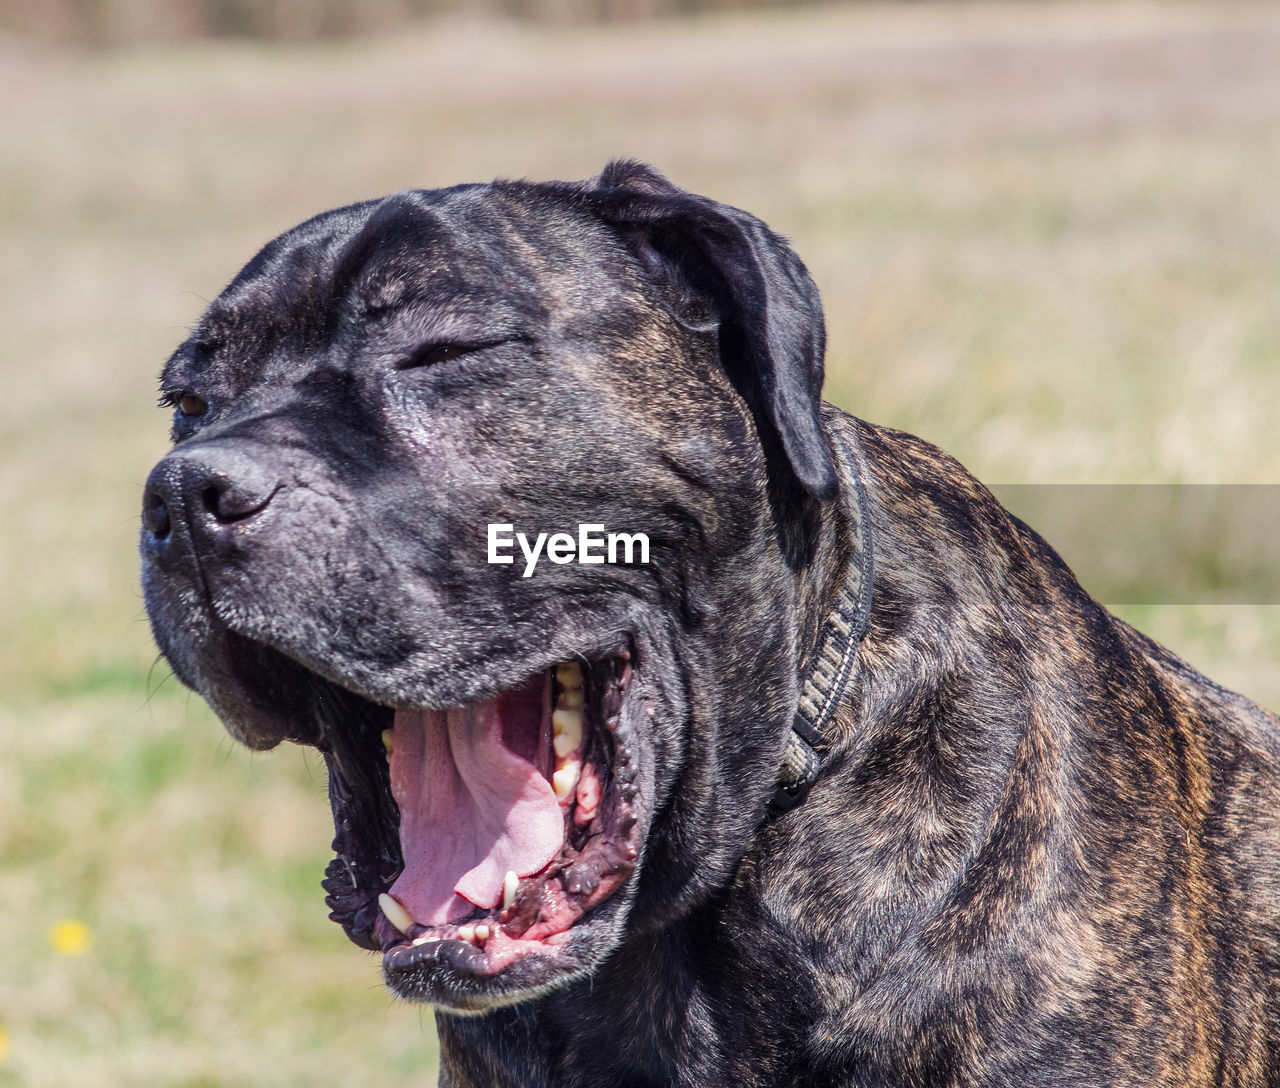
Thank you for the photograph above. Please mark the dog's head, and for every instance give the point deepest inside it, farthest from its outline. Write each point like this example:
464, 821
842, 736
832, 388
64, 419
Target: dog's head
523, 767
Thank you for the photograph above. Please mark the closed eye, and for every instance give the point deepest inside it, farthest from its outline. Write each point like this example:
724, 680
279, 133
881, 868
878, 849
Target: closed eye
433, 354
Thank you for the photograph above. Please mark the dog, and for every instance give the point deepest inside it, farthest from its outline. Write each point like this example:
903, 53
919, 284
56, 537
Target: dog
843, 781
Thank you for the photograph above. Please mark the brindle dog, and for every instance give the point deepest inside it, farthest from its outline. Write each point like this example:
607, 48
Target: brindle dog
571, 808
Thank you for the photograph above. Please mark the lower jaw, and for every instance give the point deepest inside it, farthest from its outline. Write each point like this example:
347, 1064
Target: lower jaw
458, 978
485, 959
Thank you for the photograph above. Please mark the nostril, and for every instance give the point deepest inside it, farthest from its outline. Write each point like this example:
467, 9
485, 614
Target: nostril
155, 515
229, 503
211, 500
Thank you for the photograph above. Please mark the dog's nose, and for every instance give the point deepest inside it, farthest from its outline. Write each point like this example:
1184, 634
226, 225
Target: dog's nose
205, 492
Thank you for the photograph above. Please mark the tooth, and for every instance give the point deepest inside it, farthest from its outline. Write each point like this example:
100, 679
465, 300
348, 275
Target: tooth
396, 914
569, 673
510, 885
564, 780
566, 726
570, 699
467, 933
424, 939
482, 933
389, 741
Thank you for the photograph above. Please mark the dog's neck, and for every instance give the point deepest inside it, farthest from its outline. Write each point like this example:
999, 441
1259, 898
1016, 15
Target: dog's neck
845, 609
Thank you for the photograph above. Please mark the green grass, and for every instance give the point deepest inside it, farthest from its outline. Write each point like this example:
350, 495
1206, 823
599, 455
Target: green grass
1047, 240
195, 866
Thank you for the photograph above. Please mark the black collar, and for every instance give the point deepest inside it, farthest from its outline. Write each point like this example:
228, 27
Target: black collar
832, 663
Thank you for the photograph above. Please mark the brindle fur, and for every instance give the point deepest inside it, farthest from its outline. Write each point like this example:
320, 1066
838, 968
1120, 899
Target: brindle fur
1042, 851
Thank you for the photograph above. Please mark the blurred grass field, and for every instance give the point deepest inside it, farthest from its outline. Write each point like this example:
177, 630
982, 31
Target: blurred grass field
1048, 237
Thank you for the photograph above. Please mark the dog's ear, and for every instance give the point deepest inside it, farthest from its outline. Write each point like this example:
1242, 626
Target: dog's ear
767, 308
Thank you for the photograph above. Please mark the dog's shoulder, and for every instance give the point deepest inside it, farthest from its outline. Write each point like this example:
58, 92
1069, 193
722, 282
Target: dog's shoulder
1238, 744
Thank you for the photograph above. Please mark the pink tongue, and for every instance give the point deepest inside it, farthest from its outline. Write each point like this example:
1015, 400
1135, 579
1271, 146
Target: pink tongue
471, 809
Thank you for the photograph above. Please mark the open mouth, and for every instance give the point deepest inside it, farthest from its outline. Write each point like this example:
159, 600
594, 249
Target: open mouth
474, 838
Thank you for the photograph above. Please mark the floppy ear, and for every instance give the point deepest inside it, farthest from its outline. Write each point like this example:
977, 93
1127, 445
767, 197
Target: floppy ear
772, 336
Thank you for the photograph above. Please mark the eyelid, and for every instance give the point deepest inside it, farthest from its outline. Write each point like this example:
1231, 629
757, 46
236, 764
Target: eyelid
174, 398
431, 354
444, 351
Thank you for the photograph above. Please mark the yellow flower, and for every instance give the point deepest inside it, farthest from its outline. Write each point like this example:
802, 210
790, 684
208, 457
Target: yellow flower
71, 938
4, 1046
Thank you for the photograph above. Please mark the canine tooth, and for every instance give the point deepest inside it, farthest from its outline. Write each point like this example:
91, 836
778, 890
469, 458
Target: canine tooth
569, 699
389, 741
396, 914
569, 673
565, 779
510, 884
482, 933
566, 725
467, 933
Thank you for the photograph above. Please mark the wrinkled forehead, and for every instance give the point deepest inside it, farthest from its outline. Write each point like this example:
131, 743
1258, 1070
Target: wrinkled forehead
519, 246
